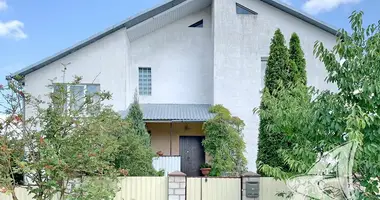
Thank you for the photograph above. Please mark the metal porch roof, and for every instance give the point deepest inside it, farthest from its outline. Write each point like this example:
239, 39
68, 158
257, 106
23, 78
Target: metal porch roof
175, 112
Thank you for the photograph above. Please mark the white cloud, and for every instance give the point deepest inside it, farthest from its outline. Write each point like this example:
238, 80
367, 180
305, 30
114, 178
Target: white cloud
12, 29
3, 5
317, 6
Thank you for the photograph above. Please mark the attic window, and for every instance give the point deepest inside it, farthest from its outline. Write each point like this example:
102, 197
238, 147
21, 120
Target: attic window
242, 10
198, 24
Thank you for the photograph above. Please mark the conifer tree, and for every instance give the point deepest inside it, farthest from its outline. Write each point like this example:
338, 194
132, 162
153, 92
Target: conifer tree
136, 119
276, 74
298, 62
136, 154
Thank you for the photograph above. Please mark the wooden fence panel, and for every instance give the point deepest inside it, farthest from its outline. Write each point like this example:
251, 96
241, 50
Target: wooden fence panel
213, 189
270, 188
193, 189
21, 194
131, 188
143, 188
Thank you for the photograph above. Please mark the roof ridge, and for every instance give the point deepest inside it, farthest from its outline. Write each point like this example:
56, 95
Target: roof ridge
134, 20
129, 22
302, 15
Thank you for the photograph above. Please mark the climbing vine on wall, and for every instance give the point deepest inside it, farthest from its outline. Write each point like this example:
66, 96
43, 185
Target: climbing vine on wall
224, 142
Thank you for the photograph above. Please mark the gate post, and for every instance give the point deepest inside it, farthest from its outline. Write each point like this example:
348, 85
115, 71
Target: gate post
250, 186
177, 186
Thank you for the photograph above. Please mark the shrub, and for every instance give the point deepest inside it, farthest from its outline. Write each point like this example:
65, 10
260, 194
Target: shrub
224, 142
330, 119
62, 142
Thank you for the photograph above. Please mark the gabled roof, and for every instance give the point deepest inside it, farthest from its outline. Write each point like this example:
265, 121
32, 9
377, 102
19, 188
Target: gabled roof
130, 22
153, 12
175, 112
301, 15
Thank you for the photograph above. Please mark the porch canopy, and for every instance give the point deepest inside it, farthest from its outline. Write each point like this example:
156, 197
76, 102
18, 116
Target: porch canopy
175, 112
176, 133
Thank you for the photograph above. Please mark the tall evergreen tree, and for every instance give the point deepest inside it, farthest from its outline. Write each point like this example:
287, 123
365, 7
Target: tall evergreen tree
276, 74
136, 154
278, 63
136, 119
298, 62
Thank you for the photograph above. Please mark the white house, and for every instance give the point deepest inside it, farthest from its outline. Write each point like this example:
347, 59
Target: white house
184, 56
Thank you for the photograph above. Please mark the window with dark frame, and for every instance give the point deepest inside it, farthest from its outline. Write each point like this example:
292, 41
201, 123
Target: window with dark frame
242, 10
198, 24
145, 81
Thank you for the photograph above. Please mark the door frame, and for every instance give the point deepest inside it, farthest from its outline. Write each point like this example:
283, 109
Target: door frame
202, 148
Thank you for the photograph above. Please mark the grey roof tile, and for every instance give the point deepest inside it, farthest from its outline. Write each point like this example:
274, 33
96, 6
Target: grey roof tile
175, 112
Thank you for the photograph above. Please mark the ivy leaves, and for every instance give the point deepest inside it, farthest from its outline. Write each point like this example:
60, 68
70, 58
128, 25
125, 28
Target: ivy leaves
224, 142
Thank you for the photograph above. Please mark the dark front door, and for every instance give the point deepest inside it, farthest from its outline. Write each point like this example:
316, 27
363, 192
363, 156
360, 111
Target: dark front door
192, 154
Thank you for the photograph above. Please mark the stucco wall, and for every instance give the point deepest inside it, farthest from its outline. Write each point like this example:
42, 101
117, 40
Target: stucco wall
217, 64
181, 61
103, 62
180, 58
239, 43
160, 135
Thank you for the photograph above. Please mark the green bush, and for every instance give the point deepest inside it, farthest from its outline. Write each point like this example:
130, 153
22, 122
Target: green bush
224, 142
205, 165
70, 143
135, 157
331, 119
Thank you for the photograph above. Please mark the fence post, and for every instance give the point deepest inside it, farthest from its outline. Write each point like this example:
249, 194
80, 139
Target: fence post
177, 186
251, 186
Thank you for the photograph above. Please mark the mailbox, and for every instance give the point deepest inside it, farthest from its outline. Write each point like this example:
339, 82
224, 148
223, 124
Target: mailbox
252, 189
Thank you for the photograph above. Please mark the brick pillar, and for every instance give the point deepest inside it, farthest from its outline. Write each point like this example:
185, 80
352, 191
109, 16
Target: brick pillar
177, 186
251, 186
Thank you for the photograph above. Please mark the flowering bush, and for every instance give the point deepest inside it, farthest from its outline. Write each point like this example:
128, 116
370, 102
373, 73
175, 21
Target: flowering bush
56, 144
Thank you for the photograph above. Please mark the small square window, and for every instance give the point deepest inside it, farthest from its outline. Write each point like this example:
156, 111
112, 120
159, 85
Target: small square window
145, 81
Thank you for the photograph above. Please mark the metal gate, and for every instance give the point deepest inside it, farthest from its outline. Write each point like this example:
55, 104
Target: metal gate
213, 188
